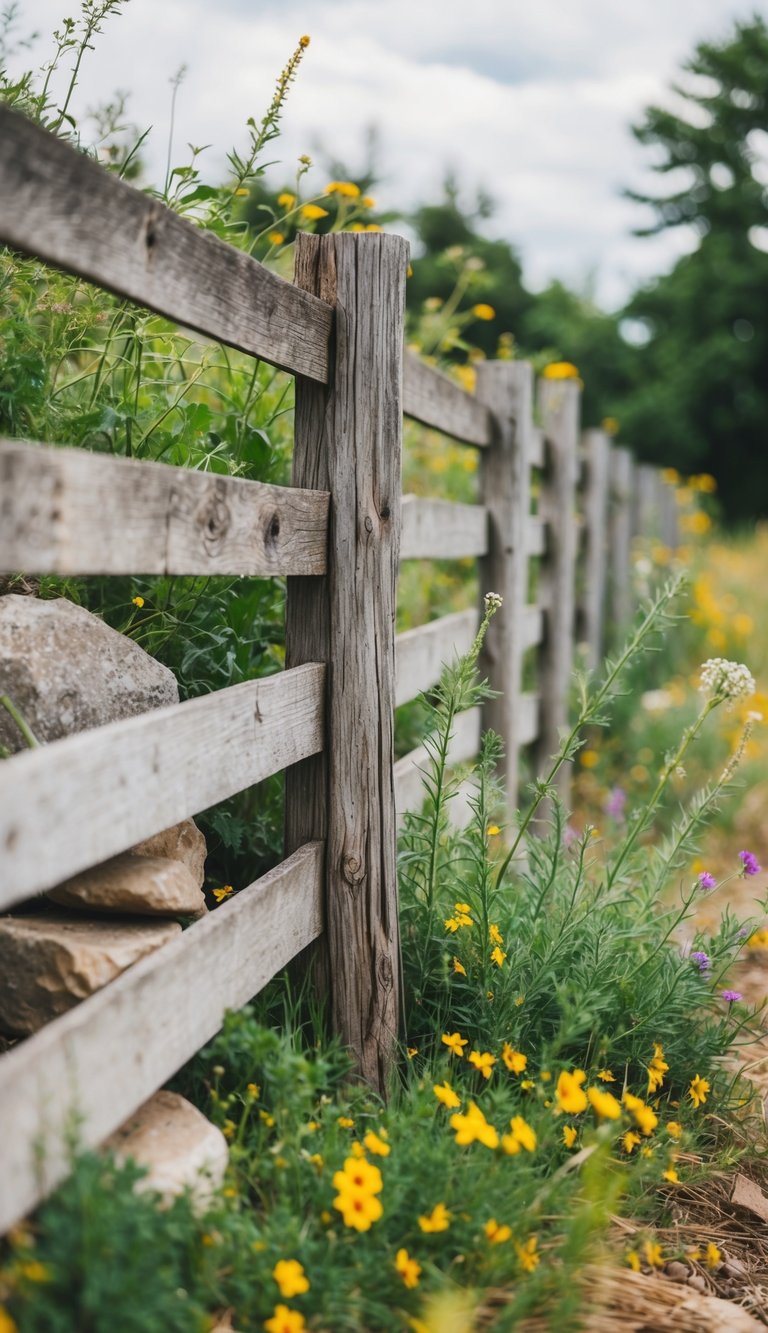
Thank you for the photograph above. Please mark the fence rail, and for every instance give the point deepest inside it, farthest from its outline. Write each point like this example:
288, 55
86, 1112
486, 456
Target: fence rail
338, 533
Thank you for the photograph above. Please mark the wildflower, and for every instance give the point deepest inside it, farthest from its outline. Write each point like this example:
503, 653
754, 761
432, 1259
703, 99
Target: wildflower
670, 475
462, 907
317, 1160
451, 924
633, 1261
653, 1255
358, 1208
34, 1271
223, 892
702, 959
732, 995
645, 1118
286, 200
515, 1061
346, 189
411, 1051
359, 1174
713, 1255
459, 967
527, 1084
589, 758
275, 237
570, 1135
228, 1129
615, 802
519, 1001
698, 1090
560, 370
495, 935
674, 1130
252, 1089
290, 1278
630, 1141
137, 601
493, 601
367, 201
483, 311
345, 1122
304, 41
671, 1175
706, 881
497, 1234
438, 1220
570, 1095
493, 830
285, 1320
482, 1060
497, 956
445, 1094
376, 1145
749, 864
610, 425
313, 212
604, 1104
473, 1127
726, 680
657, 1068
606, 1076
522, 1136
455, 1042
242, 192
408, 1268
527, 1256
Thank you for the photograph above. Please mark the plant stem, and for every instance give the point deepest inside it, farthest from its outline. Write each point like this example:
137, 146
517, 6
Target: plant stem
21, 722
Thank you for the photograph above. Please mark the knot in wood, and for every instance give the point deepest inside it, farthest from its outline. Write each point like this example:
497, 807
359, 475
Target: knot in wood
215, 519
384, 972
272, 530
368, 523
353, 870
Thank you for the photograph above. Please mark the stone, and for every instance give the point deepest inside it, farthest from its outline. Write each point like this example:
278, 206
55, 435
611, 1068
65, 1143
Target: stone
66, 671
746, 1194
53, 960
676, 1271
184, 842
133, 885
179, 1148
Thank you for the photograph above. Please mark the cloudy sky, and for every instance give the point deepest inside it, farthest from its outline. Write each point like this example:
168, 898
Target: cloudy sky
529, 100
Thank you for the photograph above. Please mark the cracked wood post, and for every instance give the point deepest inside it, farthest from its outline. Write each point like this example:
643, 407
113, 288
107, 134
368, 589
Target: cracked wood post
348, 437
595, 505
620, 542
559, 408
506, 387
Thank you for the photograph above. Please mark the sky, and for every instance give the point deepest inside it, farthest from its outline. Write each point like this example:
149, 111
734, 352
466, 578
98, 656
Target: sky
528, 100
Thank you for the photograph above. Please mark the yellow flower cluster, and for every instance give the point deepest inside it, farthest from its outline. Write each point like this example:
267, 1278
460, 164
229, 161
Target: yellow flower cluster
358, 1185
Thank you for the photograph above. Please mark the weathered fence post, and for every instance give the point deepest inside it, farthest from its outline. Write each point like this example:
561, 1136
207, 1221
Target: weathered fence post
594, 566
620, 542
645, 508
348, 438
506, 387
559, 407
670, 523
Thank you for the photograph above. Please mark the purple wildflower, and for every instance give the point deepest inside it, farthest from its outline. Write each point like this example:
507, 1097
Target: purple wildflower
731, 995
706, 881
749, 863
614, 805
702, 958
741, 933
570, 836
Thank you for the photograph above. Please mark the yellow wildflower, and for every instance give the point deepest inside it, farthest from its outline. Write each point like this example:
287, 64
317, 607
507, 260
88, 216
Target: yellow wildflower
653, 1255
527, 1084
674, 1129
604, 1104
223, 892
670, 475
515, 1061
367, 201
34, 1271
713, 1255
408, 1268
304, 41
570, 1095
375, 1144
633, 1260
610, 425
7, 1325
290, 1278
373, 226
313, 212
589, 758
482, 1060
698, 1090
483, 311
228, 1129
473, 1127
459, 967
445, 1094
411, 1051
358, 1174
345, 1122
438, 1220
497, 1234
560, 370
630, 1141
286, 200
495, 935
242, 192
451, 924
137, 601
252, 1089
493, 830
497, 956
526, 1254
606, 1076
358, 1207
657, 1068
570, 1134
285, 1320
645, 1118
455, 1042
317, 1160
522, 1136
347, 189
671, 1175
276, 237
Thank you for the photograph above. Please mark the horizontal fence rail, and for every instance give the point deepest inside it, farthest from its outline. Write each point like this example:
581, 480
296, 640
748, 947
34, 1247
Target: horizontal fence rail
422, 653
409, 771
434, 400
442, 530
66, 511
104, 1058
62, 207
132, 779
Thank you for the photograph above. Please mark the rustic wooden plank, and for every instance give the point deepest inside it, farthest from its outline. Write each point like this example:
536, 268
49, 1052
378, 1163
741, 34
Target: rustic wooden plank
409, 771
442, 529
536, 537
559, 407
96, 793
532, 628
597, 447
434, 400
348, 441
529, 717
422, 653
63, 208
505, 486
67, 511
620, 540
99, 1062
645, 502
670, 516
538, 447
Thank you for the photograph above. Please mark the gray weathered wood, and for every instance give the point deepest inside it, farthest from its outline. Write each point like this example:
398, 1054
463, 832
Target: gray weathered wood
530, 704
97, 1064
348, 441
559, 407
442, 529
62, 207
409, 771
670, 517
422, 653
434, 400
538, 447
535, 537
645, 502
620, 540
68, 805
506, 387
595, 562
532, 630
67, 511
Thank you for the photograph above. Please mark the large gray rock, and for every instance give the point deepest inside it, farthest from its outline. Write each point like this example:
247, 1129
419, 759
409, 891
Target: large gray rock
53, 960
142, 885
184, 842
180, 1149
66, 671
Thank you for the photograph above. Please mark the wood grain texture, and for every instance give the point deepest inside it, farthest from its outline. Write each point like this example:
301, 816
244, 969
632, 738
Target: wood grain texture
409, 771
538, 447
434, 400
645, 502
670, 516
66, 511
63, 208
594, 568
105, 1057
102, 791
506, 387
348, 441
536, 537
620, 541
442, 529
422, 653
559, 408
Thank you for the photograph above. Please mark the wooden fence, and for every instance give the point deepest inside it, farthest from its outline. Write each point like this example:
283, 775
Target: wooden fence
338, 534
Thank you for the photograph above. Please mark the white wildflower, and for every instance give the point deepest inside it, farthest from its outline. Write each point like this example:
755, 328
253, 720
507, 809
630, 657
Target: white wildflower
656, 701
493, 601
726, 680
